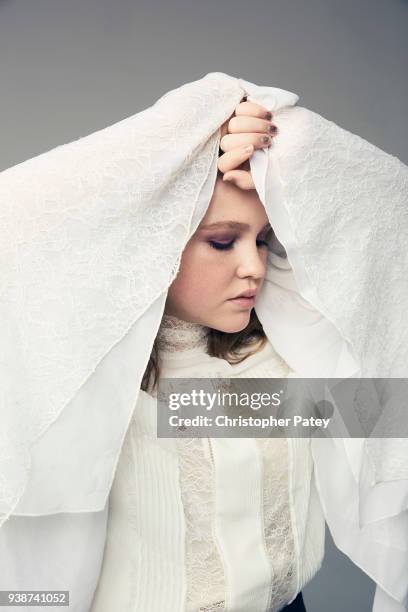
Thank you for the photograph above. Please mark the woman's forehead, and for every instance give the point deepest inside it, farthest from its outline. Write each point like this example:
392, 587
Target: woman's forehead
229, 202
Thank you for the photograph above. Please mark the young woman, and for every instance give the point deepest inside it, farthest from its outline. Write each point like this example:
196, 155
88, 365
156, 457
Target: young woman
121, 274
239, 544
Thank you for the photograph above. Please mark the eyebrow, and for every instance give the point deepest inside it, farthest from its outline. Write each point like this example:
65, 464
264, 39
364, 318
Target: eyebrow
230, 225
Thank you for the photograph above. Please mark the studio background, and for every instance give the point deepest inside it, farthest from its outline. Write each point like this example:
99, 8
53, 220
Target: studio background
69, 68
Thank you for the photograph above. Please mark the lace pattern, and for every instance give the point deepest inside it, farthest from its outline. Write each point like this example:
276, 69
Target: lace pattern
278, 532
204, 569
176, 335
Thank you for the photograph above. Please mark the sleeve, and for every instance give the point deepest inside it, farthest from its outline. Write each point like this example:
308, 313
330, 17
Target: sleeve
384, 603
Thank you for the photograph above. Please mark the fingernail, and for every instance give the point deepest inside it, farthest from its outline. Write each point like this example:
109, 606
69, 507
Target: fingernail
265, 140
226, 179
248, 148
273, 129
268, 116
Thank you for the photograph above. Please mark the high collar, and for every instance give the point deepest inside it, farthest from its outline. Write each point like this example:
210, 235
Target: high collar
177, 335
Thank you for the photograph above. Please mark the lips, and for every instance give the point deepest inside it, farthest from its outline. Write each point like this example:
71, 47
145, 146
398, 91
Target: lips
246, 294
244, 302
246, 299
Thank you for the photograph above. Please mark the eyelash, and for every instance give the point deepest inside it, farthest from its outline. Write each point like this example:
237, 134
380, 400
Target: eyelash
220, 246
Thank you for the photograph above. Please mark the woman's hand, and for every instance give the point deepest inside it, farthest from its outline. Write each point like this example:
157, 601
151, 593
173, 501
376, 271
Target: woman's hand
249, 128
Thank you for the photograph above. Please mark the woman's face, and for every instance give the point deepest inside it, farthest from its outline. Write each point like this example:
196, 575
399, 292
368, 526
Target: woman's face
222, 261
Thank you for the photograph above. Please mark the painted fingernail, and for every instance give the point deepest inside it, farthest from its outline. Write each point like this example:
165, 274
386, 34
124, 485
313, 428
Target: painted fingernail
268, 116
273, 129
265, 140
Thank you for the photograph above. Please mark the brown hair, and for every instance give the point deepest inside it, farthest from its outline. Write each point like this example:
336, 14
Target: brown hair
219, 344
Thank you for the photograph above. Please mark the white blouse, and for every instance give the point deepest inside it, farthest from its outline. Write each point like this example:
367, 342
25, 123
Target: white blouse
208, 524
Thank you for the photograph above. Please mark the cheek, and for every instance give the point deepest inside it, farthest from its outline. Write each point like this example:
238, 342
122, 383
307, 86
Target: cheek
200, 276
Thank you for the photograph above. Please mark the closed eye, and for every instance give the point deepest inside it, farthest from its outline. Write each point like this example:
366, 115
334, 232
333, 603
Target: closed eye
221, 246
226, 246
262, 243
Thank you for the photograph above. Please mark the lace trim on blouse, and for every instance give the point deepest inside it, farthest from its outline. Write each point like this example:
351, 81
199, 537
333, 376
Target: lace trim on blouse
204, 568
278, 533
176, 335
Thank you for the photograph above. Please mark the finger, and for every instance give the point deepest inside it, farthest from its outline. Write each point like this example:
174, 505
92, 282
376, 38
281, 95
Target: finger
241, 178
253, 110
250, 124
224, 129
231, 141
234, 158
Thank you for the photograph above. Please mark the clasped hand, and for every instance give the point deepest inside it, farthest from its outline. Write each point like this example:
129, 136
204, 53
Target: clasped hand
248, 129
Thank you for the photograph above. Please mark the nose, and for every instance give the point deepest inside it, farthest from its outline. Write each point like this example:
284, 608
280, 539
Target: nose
252, 263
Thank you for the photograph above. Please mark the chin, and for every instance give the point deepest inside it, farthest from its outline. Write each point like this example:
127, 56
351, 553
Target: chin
233, 325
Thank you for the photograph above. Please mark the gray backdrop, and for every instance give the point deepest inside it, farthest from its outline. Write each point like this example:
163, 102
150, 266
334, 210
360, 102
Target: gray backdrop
70, 67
